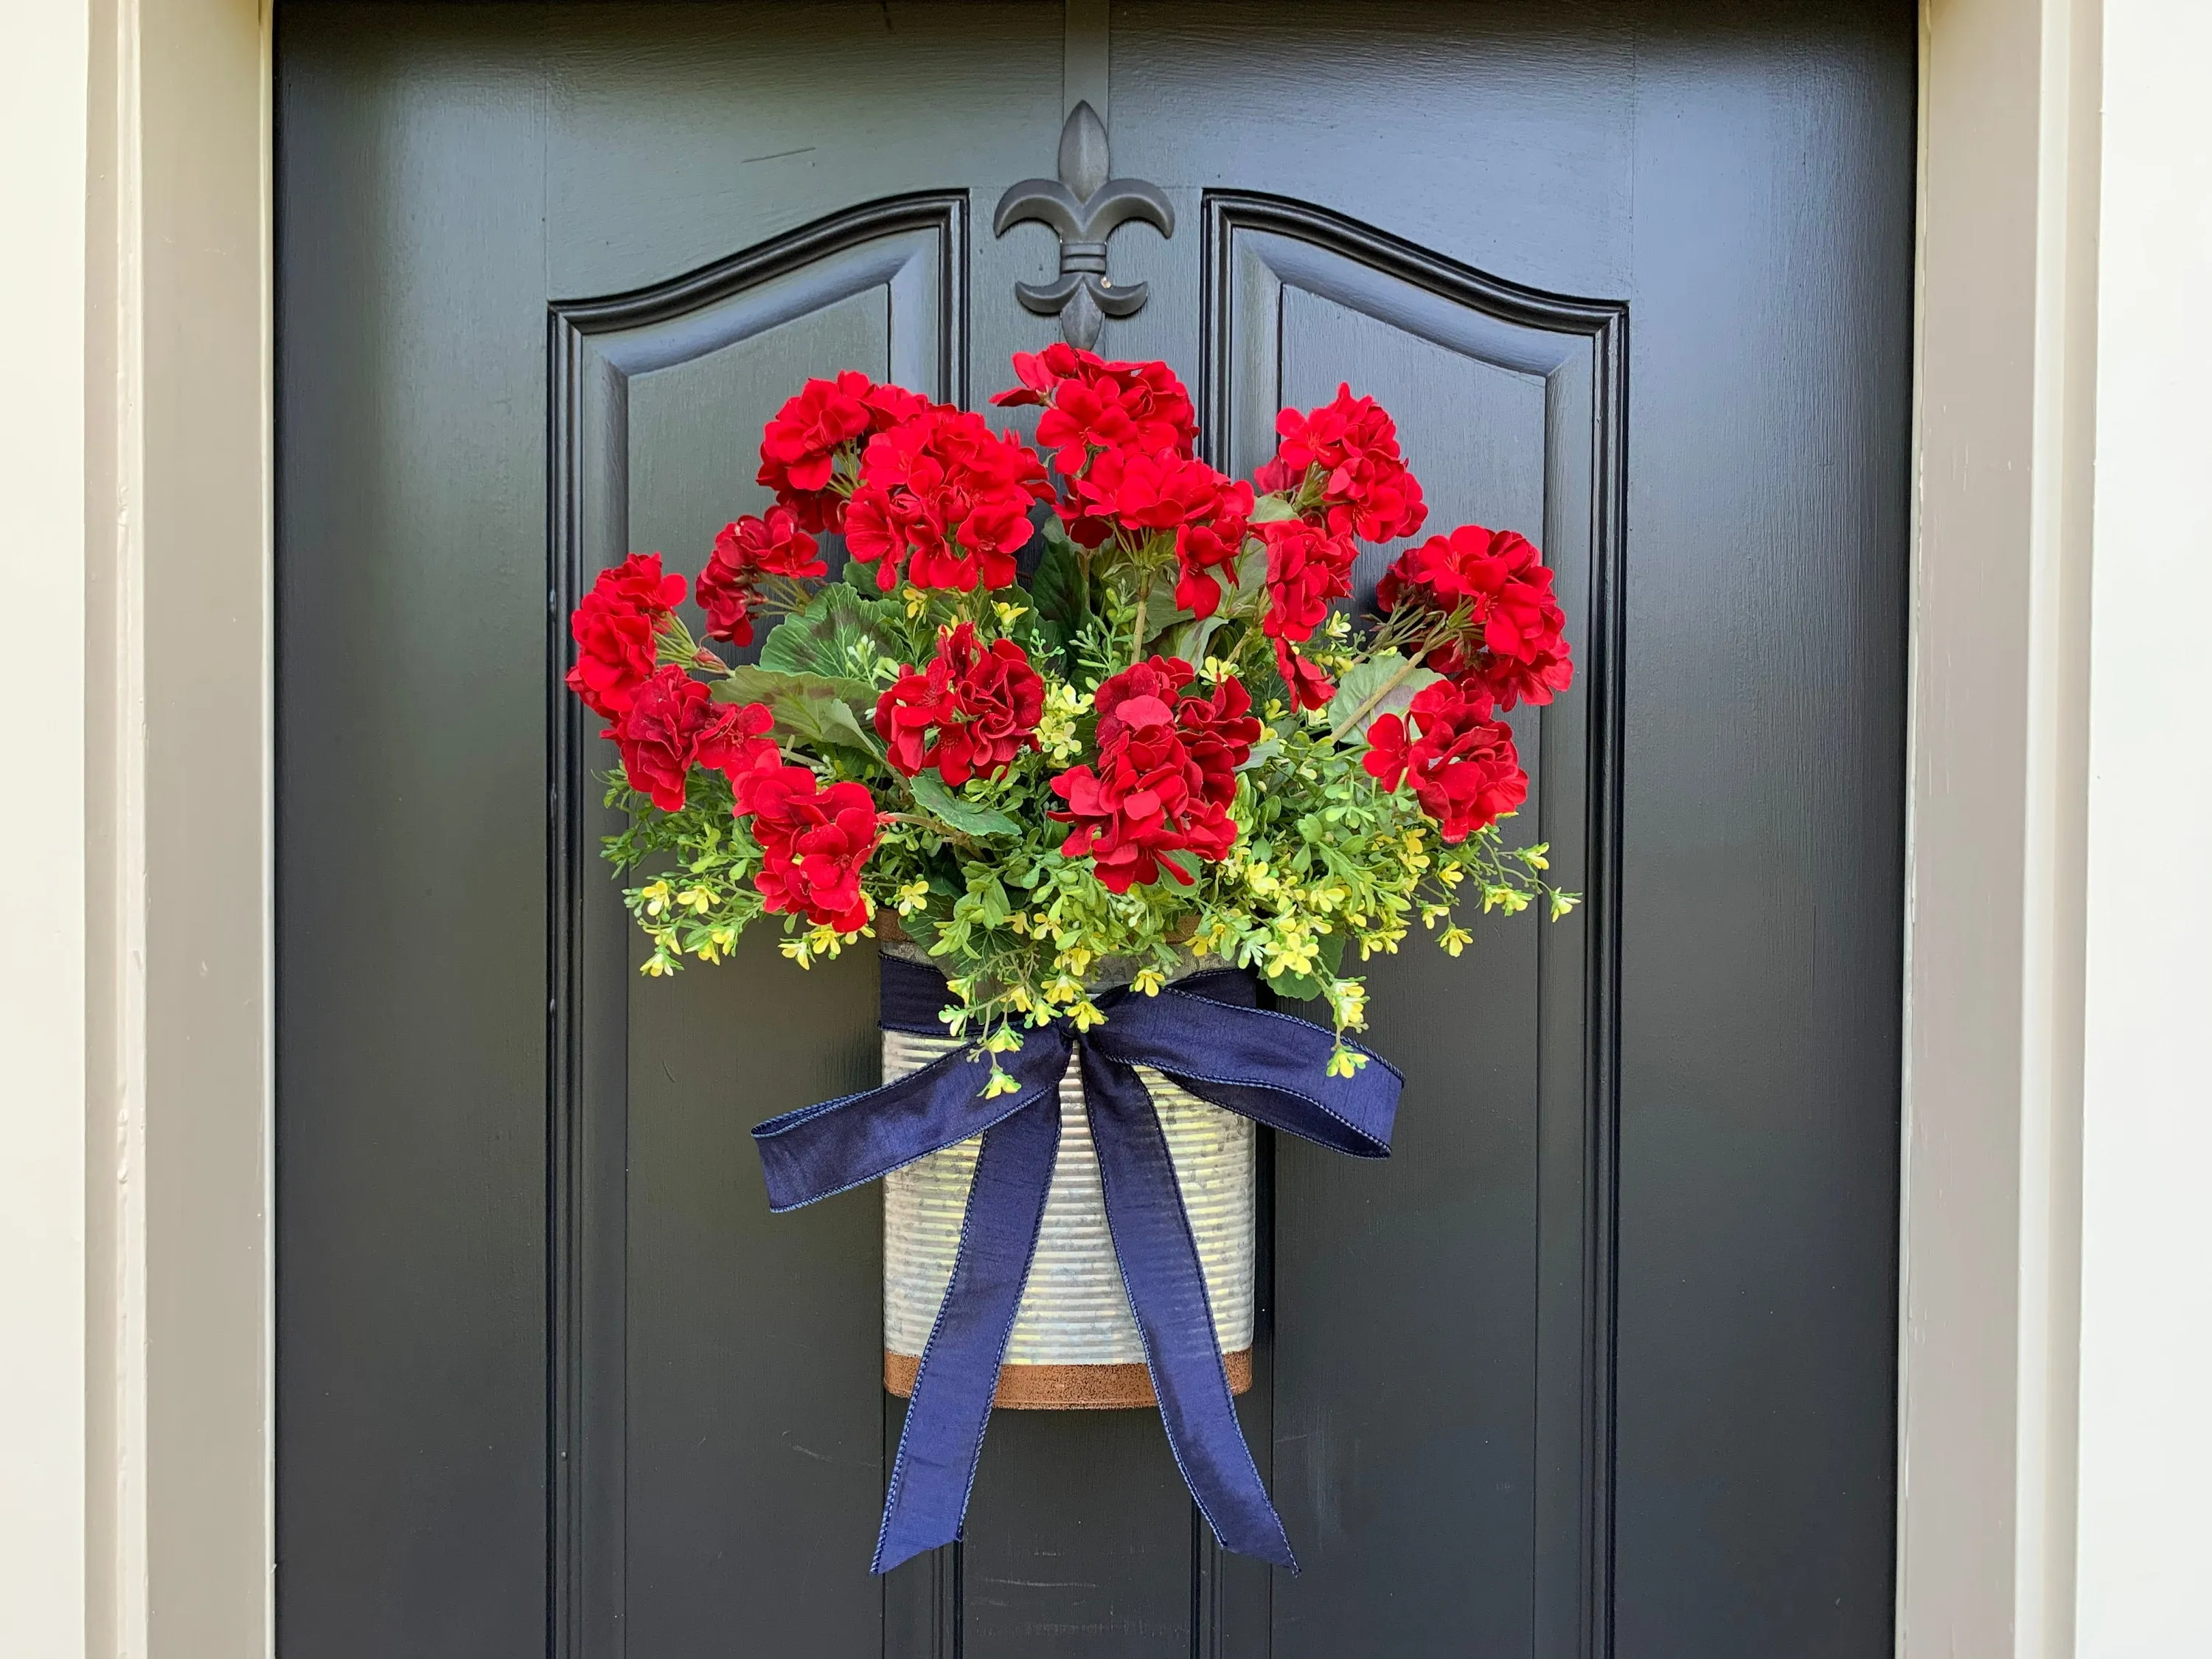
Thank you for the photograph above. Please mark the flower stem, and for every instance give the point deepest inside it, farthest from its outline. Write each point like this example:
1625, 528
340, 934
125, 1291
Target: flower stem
956, 837
1384, 689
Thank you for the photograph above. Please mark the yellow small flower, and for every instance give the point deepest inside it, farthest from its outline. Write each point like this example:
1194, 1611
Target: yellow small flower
1085, 1016
1149, 981
1454, 939
916, 602
1001, 1083
1008, 614
1347, 999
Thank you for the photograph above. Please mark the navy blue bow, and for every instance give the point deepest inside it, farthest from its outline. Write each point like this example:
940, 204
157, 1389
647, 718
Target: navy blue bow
1206, 1034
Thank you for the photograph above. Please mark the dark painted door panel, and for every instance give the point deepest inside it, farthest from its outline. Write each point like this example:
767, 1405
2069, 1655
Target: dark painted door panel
1601, 1360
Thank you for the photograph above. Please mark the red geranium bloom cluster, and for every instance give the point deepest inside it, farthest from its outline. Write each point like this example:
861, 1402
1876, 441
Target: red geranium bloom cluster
945, 497
1165, 776
1124, 435
1366, 488
770, 545
1348, 449
1091, 404
1516, 650
617, 629
969, 714
672, 724
801, 446
1308, 566
813, 843
1461, 764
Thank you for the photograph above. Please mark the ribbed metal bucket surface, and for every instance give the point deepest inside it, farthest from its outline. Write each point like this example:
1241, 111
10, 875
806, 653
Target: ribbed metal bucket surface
1075, 1343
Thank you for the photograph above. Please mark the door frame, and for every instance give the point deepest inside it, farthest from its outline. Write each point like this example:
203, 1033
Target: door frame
166, 1032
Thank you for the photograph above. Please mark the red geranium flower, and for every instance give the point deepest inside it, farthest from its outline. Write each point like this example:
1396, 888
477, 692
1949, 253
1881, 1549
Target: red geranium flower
1207, 552
671, 725
800, 444
1218, 731
1516, 650
1307, 567
1366, 488
968, 714
617, 628
726, 596
735, 742
1462, 765
1147, 689
814, 843
659, 734
771, 545
1165, 775
1092, 404
1308, 687
1130, 488
946, 497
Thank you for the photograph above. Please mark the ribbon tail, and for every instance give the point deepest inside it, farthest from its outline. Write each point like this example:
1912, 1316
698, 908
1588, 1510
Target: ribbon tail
935, 1468
1160, 1269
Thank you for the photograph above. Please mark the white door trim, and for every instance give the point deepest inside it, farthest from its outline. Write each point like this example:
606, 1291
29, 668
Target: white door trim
2004, 405
157, 1215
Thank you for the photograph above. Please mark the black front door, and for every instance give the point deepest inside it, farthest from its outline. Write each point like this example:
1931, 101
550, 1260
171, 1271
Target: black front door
1602, 1360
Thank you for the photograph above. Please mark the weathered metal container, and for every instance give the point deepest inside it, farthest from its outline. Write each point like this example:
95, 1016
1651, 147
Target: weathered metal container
1075, 1344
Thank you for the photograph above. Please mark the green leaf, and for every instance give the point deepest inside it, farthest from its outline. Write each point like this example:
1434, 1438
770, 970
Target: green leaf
1252, 567
1307, 987
1163, 617
992, 898
1332, 953
1296, 987
1188, 640
963, 815
1062, 598
837, 637
1261, 753
808, 708
1272, 509
1353, 690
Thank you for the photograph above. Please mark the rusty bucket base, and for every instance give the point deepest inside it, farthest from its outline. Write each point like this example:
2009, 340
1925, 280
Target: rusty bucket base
1067, 1387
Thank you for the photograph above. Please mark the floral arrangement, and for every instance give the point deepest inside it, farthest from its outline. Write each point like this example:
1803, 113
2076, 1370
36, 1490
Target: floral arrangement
1089, 701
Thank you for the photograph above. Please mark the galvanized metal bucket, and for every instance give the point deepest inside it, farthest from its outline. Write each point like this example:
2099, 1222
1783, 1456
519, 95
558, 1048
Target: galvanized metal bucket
1075, 1344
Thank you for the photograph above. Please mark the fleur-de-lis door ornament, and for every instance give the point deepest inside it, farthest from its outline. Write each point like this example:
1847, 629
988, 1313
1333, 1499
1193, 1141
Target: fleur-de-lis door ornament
1083, 207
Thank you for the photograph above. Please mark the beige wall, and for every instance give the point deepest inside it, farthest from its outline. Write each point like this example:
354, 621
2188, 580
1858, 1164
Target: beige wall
2146, 1441
43, 80
2059, 411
